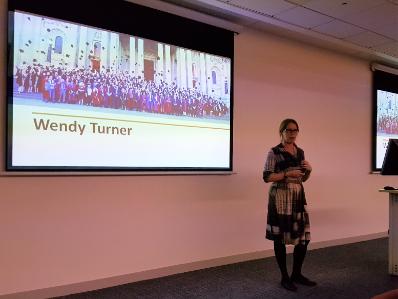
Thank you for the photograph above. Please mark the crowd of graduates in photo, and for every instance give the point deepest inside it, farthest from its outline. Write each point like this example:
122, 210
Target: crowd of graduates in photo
388, 124
117, 91
387, 121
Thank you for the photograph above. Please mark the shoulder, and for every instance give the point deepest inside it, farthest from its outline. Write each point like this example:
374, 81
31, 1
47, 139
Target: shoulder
271, 155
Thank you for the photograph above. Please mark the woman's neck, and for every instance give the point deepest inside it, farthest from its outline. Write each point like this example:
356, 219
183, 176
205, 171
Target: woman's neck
290, 148
288, 144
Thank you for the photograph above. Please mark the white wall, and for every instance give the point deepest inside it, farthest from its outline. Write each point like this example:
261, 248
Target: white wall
58, 231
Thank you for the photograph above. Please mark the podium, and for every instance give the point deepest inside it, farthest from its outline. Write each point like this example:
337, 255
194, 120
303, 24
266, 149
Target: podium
393, 232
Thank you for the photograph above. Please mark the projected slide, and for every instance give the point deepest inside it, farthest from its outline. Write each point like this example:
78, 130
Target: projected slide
387, 122
85, 97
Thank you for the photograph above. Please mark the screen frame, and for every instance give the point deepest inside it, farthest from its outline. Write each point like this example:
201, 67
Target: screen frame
219, 42
385, 81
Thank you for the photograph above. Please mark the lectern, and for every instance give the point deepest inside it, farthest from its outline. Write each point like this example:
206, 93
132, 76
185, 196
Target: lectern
393, 232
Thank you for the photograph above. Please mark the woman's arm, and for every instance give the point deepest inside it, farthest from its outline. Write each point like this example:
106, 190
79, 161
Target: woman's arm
283, 175
307, 169
275, 177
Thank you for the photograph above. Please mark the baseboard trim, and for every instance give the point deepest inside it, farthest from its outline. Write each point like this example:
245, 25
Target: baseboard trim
344, 241
156, 273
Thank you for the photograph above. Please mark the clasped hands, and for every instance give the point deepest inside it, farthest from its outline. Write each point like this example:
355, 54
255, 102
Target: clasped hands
298, 173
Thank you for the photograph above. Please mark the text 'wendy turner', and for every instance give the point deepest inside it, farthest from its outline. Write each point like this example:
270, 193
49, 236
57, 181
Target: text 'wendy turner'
76, 127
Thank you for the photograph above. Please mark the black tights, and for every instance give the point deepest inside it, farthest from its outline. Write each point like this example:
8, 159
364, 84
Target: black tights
298, 257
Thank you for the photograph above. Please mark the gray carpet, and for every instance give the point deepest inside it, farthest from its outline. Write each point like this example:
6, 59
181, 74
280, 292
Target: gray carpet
358, 270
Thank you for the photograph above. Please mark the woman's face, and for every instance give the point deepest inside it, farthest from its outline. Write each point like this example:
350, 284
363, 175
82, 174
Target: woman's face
290, 133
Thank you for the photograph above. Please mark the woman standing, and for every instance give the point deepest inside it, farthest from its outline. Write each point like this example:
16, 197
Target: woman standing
287, 219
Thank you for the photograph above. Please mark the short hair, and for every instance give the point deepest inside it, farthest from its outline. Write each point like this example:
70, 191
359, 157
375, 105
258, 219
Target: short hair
285, 123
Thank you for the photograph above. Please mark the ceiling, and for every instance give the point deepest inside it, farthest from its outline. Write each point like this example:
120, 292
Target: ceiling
366, 29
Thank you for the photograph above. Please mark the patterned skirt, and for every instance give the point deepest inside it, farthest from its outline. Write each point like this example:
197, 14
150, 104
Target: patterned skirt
287, 218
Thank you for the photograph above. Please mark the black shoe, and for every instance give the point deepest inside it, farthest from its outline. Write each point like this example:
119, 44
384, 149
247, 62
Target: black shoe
301, 279
288, 285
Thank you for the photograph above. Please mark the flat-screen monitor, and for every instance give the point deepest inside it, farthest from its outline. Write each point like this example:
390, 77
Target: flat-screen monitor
390, 163
385, 114
109, 89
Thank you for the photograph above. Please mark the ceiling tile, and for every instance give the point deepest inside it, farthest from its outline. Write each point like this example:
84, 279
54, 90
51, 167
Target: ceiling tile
336, 8
338, 29
368, 24
299, 2
375, 17
389, 30
268, 7
368, 39
303, 17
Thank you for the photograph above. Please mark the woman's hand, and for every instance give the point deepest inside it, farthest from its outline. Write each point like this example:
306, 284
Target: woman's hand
296, 173
306, 165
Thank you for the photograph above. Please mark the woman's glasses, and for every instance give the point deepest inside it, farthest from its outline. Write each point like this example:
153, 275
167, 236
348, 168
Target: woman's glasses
291, 130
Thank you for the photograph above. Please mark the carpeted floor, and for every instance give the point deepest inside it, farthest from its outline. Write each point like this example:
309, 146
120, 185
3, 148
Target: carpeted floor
358, 270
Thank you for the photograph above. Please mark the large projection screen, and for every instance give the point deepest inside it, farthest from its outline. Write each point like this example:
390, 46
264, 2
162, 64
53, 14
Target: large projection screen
85, 98
385, 114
